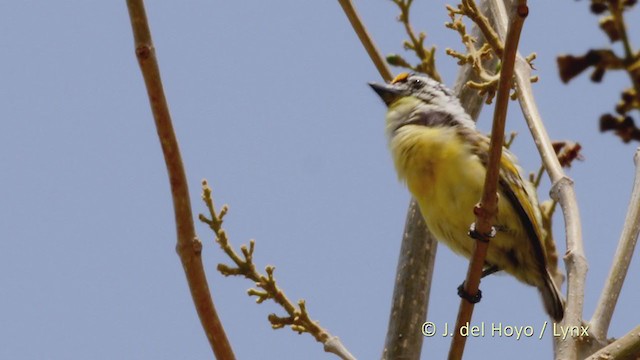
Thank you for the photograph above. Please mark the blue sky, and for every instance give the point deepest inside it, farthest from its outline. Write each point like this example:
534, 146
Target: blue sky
270, 104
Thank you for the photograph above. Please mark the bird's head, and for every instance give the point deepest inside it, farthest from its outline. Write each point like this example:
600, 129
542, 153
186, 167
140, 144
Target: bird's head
420, 100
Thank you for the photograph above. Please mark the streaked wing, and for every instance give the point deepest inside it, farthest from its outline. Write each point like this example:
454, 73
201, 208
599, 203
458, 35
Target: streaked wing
512, 186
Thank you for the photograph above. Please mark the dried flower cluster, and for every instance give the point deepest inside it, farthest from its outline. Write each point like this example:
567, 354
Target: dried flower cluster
612, 23
415, 43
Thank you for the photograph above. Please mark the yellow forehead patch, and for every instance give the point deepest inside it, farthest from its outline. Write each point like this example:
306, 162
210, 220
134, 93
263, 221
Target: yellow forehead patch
401, 77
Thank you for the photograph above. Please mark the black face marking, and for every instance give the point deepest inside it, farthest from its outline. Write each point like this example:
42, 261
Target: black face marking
416, 83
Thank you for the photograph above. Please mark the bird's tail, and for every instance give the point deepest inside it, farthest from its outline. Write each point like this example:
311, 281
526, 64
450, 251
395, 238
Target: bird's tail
553, 301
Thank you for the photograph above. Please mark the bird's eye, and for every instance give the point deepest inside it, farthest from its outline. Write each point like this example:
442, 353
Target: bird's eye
416, 83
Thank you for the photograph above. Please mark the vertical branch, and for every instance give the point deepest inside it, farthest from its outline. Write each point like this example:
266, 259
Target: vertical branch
487, 209
188, 246
413, 281
626, 245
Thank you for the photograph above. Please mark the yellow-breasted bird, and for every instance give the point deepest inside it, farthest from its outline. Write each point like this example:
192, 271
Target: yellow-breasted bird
442, 158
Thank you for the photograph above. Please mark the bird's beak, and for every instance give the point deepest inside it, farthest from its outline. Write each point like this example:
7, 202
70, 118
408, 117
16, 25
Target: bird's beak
387, 92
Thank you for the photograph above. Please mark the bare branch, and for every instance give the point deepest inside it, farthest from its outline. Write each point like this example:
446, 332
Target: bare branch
563, 192
620, 265
487, 209
188, 246
413, 281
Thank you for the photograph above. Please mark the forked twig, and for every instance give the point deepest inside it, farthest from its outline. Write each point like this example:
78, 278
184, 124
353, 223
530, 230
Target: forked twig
298, 318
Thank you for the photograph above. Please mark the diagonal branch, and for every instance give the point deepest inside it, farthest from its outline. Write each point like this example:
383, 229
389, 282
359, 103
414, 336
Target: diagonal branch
562, 191
626, 245
487, 209
188, 246
365, 39
627, 347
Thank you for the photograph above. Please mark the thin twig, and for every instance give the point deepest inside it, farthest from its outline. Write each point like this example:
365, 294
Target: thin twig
627, 347
538, 177
487, 209
188, 246
365, 39
620, 265
563, 192
298, 317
